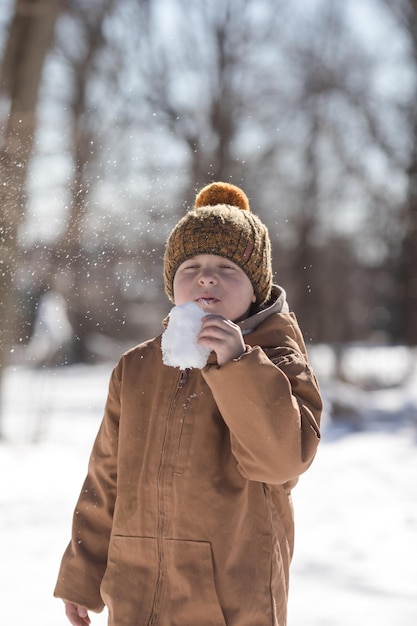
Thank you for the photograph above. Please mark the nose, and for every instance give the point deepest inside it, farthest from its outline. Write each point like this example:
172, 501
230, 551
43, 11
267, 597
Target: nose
207, 277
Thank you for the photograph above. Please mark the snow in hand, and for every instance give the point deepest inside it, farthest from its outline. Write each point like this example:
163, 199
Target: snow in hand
179, 341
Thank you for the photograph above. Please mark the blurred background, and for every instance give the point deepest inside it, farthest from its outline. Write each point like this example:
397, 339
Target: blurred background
113, 113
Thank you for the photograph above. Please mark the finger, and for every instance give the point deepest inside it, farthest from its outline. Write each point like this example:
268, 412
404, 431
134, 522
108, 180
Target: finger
216, 324
78, 616
83, 614
218, 335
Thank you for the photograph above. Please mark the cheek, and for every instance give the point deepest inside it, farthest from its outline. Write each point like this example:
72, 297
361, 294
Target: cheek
249, 293
180, 291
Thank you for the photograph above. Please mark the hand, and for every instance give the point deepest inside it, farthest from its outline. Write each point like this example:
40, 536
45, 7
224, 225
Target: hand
222, 336
77, 615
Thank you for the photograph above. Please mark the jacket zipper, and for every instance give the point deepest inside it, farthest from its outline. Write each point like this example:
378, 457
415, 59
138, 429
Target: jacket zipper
183, 379
161, 506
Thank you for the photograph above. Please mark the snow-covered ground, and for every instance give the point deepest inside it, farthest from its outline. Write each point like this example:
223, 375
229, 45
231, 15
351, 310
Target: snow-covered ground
356, 508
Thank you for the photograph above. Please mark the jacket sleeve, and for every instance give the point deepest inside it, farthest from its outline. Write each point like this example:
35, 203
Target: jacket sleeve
85, 559
271, 403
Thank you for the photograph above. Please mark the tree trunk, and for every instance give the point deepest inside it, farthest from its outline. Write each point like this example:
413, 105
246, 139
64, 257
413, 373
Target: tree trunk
29, 40
408, 261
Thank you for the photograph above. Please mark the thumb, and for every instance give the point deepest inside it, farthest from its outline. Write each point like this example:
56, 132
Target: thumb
83, 614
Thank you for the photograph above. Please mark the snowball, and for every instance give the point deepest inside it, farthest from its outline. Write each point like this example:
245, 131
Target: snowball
179, 341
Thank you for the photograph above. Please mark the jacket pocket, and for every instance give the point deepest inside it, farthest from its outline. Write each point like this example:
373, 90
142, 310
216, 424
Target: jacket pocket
128, 584
191, 585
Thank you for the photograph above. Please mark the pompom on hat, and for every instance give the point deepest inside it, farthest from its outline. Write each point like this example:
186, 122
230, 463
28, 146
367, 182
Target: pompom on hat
222, 224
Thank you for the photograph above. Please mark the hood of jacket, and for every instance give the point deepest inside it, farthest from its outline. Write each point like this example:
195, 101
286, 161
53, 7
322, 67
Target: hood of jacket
277, 303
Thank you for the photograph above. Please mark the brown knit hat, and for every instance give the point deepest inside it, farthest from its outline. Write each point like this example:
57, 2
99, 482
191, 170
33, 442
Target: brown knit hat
222, 223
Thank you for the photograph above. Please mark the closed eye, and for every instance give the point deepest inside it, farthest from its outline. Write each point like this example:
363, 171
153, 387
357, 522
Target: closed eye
190, 267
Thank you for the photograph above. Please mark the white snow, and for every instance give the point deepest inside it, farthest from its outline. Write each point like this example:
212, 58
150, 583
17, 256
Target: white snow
179, 340
355, 559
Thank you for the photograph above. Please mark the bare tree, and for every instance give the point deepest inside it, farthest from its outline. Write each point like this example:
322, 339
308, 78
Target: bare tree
342, 128
207, 74
284, 103
29, 40
279, 101
405, 12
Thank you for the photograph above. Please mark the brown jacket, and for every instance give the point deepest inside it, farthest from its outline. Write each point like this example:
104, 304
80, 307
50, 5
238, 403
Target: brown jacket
185, 518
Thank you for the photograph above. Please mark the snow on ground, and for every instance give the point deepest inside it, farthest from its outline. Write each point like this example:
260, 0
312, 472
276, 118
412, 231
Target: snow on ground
355, 560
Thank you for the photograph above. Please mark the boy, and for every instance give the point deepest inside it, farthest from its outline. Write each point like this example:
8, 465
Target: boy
185, 517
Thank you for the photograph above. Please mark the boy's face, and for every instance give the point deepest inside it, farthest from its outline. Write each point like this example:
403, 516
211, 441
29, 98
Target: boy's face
216, 284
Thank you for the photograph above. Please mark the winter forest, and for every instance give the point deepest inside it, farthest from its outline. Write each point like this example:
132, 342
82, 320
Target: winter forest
113, 113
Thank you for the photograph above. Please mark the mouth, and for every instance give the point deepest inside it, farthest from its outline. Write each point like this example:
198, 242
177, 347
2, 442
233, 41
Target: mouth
206, 301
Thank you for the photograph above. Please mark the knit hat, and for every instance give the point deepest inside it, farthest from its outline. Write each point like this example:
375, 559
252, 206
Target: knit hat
222, 223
